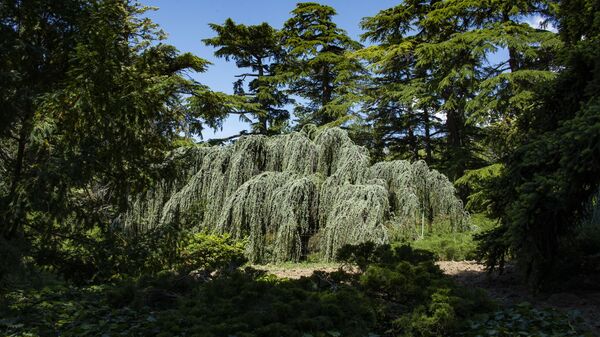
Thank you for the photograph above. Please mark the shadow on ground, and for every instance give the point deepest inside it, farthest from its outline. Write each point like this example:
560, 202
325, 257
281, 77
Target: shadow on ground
507, 289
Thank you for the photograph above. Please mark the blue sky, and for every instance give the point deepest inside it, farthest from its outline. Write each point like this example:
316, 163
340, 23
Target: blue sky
186, 23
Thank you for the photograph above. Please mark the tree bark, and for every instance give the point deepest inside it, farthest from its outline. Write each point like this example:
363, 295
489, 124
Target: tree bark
11, 226
326, 93
262, 120
427, 136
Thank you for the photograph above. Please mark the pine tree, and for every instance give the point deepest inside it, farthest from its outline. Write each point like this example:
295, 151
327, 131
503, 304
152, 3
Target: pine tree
256, 48
442, 50
316, 66
400, 106
99, 106
551, 174
477, 91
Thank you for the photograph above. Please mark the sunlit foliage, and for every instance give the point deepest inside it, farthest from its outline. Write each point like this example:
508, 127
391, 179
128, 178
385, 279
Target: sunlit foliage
309, 191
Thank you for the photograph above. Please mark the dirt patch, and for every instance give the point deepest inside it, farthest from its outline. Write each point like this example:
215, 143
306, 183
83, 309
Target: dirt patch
504, 288
298, 270
507, 290
296, 273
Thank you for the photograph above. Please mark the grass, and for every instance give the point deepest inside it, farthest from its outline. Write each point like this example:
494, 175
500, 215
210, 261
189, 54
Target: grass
455, 246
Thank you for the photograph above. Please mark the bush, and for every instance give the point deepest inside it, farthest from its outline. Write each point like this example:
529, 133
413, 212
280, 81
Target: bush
400, 293
368, 253
446, 247
399, 287
524, 320
453, 245
240, 303
210, 253
414, 297
114, 255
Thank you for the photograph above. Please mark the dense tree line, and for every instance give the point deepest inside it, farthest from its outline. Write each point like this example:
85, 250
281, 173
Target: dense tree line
504, 107
92, 100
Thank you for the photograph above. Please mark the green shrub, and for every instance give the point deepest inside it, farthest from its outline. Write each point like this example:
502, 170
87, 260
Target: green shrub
368, 253
237, 304
524, 320
445, 247
453, 245
400, 293
414, 296
210, 252
112, 256
399, 285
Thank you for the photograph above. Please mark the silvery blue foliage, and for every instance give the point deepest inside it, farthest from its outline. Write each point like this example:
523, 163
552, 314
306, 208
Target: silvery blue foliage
303, 192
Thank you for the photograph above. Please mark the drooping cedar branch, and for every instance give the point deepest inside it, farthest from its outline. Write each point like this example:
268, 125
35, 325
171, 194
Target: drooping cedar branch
299, 193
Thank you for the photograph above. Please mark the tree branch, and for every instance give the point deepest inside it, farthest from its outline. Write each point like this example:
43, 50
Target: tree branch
226, 139
244, 75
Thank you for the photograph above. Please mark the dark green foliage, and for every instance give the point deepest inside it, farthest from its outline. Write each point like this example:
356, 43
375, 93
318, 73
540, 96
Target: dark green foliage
434, 58
474, 184
244, 304
241, 304
524, 320
317, 66
97, 258
11, 266
587, 233
552, 174
400, 293
368, 253
91, 105
415, 298
255, 47
399, 101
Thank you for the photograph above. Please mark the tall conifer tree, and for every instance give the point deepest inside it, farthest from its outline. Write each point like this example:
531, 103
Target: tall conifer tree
317, 67
512, 58
399, 103
255, 49
99, 106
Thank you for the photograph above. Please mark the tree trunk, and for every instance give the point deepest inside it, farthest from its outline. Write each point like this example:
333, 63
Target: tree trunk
427, 136
325, 96
262, 119
412, 139
513, 62
455, 128
12, 226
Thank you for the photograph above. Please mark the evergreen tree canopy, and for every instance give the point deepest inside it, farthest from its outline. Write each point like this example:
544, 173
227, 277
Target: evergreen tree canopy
92, 104
551, 176
316, 66
257, 48
400, 103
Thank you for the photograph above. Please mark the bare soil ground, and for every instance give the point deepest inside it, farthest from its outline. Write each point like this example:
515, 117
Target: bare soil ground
505, 288
297, 270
